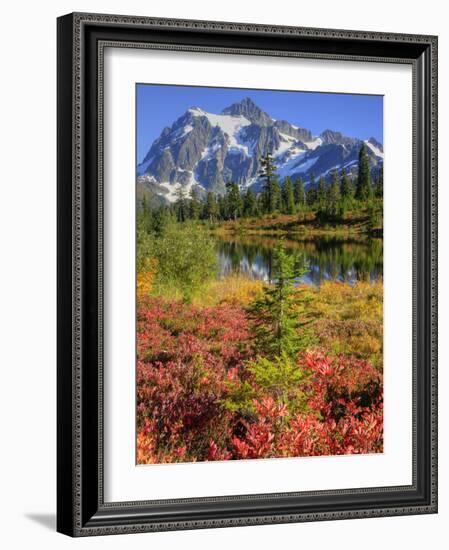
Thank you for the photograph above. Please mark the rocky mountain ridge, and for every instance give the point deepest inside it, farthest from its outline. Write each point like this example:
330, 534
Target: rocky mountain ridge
207, 150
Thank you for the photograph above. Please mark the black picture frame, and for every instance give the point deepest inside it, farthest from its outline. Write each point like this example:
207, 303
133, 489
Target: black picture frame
81, 510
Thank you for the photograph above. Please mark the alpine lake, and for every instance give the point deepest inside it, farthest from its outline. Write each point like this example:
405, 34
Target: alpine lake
322, 258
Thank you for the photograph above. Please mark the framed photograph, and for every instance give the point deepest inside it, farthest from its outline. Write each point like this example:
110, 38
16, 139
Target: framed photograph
247, 278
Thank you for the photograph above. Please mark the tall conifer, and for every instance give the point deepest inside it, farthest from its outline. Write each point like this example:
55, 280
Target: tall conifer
288, 198
271, 189
364, 189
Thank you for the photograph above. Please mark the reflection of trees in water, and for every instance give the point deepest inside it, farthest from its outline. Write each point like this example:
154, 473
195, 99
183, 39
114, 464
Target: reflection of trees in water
244, 257
327, 258
345, 261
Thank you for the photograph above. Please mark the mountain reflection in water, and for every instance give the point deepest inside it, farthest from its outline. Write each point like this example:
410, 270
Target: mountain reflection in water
326, 258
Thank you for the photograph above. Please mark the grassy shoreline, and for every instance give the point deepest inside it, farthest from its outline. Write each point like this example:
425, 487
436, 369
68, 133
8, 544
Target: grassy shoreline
302, 226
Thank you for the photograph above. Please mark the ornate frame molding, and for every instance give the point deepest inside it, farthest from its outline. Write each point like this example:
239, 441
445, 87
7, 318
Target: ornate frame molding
81, 510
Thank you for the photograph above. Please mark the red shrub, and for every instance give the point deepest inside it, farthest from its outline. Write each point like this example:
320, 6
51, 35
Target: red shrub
185, 354
188, 359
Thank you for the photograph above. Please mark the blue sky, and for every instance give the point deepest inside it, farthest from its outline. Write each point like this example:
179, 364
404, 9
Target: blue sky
354, 115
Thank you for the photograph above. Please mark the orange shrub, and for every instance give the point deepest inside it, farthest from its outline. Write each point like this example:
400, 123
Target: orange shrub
145, 278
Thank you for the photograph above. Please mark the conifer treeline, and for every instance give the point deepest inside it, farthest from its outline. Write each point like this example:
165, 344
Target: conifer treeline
330, 201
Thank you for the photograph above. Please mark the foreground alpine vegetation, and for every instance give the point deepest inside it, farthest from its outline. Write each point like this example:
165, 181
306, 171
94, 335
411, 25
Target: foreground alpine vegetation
244, 369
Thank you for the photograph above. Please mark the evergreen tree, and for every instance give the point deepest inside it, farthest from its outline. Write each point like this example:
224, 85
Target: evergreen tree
333, 195
144, 216
249, 203
234, 200
271, 188
194, 205
161, 217
210, 211
279, 313
181, 204
312, 182
223, 207
144, 205
346, 186
379, 189
288, 197
364, 189
260, 204
311, 197
321, 193
276, 196
298, 189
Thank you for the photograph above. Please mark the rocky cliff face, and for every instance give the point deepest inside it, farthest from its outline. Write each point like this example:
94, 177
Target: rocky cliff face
208, 150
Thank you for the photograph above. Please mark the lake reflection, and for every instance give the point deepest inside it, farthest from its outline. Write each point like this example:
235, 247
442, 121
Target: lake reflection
326, 258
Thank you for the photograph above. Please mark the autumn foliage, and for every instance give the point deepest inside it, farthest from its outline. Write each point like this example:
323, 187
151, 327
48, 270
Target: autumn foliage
204, 391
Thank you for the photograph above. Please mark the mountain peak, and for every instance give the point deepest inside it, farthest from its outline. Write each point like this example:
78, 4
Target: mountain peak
194, 110
245, 102
247, 108
330, 136
205, 150
374, 142
374, 146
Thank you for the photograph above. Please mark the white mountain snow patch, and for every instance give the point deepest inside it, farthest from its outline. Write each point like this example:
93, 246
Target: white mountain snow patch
208, 152
172, 189
171, 194
248, 183
336, 167
230, 125
304, 166
183, 131
289, 167
314, 143
374, 149
285, 144
286, 137
197, 111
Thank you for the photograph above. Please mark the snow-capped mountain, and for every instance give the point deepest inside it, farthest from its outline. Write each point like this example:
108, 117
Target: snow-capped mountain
208, 150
